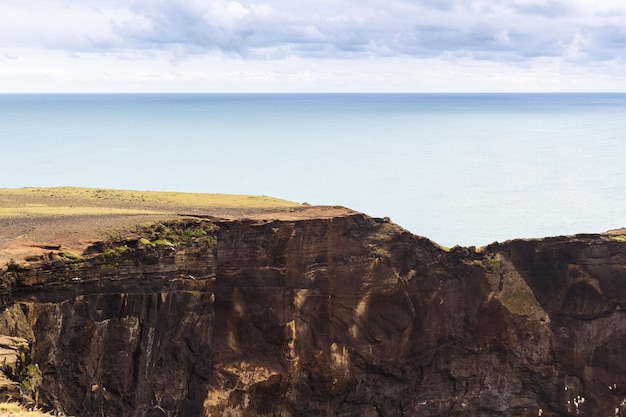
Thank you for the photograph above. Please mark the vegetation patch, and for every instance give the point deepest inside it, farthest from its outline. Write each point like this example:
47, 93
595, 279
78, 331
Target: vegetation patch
157, 235
11, 409
31, 379
70, 256
179, 233
162, 242
53, 201
620, 238
489, 263
122, 249
37, 211
145, 242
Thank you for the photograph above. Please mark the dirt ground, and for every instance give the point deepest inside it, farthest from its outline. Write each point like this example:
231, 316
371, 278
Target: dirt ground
34, 221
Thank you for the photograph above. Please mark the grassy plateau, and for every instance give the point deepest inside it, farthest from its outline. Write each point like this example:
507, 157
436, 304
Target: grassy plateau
36, 219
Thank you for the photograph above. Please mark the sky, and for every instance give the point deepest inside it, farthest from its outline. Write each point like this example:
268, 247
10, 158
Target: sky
312, 46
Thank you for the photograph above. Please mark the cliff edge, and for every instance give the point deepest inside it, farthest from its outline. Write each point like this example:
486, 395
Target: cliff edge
312, 311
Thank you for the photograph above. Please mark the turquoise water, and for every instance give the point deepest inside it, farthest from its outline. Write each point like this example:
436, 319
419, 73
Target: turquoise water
458, 168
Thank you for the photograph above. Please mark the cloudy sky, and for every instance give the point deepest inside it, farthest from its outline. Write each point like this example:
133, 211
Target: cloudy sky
305, 45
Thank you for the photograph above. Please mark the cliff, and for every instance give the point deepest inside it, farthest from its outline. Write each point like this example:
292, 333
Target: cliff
330, 313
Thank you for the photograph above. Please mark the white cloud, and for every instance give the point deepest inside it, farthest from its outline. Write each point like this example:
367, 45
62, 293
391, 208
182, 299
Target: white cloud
603, 7
56, 71
328, 38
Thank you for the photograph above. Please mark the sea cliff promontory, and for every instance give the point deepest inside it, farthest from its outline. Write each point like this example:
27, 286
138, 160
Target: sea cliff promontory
157, 304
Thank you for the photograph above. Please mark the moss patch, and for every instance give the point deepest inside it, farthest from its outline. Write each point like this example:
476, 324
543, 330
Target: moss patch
122, 249
162, 242
70, 256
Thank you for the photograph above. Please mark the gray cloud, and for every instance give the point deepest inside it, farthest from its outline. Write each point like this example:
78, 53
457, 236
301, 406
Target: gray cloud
507, 30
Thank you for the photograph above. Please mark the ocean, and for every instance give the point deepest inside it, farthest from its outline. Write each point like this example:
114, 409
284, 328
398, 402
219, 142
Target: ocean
464, 169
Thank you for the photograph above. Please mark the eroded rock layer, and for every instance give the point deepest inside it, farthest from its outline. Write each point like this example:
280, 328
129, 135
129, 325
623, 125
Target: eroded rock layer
341, 316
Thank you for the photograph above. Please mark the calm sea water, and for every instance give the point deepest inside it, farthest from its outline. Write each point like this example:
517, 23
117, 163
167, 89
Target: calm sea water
460, 169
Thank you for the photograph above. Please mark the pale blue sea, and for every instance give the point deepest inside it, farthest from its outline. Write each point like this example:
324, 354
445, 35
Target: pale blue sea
458, 168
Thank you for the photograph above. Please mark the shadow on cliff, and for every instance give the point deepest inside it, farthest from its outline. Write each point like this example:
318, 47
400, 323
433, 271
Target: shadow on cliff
339, 316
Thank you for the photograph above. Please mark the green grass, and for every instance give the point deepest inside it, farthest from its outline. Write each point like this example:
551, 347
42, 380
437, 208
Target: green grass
145, 242
122, 249
20, 202
70, 256
162, 242
29, 210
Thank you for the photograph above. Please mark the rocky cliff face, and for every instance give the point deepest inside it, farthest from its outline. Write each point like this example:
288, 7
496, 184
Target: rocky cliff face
342, 316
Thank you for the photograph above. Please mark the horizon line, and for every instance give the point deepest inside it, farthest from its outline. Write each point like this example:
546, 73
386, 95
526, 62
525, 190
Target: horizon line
301, 92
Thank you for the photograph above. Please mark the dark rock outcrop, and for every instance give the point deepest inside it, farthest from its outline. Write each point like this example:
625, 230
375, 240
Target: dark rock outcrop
342, 316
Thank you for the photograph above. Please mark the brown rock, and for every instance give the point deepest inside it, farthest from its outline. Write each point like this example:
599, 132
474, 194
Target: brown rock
345, 315
14, 352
